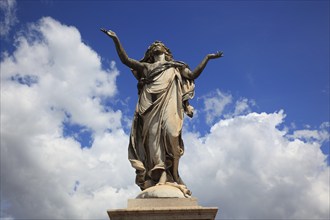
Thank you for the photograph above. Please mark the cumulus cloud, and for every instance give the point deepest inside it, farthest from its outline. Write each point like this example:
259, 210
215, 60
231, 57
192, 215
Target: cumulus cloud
251, 169
214, 104
308, 135
242, 106
245, 164
51, 78
218, 104
8, 17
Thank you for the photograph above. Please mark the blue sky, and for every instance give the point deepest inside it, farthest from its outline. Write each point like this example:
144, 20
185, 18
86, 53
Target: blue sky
262, 111
276, 52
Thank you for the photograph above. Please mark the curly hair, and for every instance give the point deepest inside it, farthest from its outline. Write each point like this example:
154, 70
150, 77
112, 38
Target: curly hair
148, 56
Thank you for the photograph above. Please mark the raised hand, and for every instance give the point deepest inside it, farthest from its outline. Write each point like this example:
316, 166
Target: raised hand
218, 54
109, 33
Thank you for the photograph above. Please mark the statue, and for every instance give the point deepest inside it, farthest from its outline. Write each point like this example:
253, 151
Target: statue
164, 89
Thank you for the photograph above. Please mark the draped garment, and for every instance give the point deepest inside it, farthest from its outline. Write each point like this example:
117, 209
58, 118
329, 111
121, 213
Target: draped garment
155, 141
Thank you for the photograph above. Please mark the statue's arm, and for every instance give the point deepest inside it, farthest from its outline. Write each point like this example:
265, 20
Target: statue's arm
131, 63
199, 69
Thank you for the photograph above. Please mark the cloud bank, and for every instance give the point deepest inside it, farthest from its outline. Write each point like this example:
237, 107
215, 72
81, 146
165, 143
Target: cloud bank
246, 165
253, 170
52, 78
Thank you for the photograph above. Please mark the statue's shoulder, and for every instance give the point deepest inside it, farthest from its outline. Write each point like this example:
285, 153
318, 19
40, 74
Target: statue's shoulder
180, 64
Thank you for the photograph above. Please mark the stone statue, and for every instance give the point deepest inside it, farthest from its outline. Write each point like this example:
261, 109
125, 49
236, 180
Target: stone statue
164, 88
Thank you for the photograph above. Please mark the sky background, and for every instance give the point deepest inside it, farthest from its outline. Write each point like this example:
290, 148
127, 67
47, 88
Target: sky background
257, 147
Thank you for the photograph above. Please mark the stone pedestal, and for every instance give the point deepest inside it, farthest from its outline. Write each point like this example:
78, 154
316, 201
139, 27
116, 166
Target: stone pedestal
163, 209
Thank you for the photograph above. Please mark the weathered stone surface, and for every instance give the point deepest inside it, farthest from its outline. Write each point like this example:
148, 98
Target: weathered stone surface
162, 191
164, 214
163, 209
165, 87
161, 202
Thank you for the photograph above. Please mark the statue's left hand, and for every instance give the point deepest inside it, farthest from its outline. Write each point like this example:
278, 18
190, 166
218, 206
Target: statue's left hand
218, 54
109, 33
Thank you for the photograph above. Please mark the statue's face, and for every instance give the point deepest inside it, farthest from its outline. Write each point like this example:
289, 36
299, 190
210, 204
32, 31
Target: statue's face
158, 49
154, 50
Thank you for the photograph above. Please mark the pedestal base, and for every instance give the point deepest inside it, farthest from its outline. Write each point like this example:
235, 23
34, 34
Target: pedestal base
163, 209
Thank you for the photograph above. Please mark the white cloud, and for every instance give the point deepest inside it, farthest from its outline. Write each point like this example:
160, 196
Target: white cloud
50, 75
310, 135
251, 170
215, 104
242, 106
246, 165
68, 73
8, 17
218, 104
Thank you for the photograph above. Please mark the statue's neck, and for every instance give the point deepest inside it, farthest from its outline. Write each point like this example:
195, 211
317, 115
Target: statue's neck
159, 58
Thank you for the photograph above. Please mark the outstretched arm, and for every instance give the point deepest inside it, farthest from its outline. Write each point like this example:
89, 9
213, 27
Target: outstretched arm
199, 69
131, 63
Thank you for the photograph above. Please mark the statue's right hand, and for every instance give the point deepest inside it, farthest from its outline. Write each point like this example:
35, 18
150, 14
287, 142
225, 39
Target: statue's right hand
218, 54
109, 32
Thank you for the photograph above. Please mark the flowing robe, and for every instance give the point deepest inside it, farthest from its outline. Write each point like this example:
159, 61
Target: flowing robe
155, 141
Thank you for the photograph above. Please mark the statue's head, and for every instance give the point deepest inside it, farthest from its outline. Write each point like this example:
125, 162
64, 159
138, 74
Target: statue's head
156, 48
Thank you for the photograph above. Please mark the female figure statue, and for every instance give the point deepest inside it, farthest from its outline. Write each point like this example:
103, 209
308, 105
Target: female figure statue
164, 88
